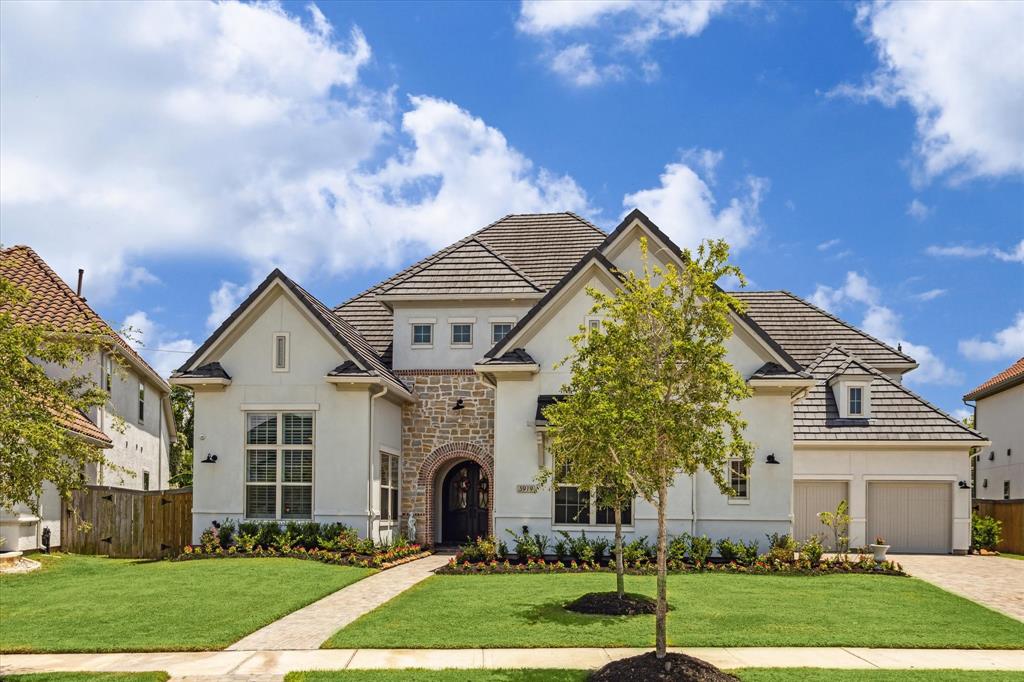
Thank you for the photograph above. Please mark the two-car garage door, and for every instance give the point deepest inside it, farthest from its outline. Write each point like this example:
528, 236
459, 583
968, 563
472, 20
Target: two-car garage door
912, 516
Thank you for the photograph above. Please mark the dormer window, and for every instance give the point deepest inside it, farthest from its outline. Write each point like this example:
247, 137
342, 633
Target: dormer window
281, 352
856, 401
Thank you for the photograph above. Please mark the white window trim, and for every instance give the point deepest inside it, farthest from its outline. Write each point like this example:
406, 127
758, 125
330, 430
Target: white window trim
512, 320
419, 323
589, 320
844, 399
593, 525
287, 352
278, 483
451, 332
145, 475
381, 487
108, 374
733, 499
493, 322
849, 399
142, 401
461, 320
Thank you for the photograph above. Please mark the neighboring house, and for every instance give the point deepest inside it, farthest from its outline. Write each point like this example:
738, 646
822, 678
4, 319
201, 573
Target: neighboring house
135, 427
423, 397
999, 413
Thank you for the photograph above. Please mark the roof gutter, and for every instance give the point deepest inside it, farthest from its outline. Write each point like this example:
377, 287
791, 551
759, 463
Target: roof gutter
369, 461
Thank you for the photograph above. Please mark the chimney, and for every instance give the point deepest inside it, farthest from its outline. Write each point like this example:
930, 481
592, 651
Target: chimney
81, 273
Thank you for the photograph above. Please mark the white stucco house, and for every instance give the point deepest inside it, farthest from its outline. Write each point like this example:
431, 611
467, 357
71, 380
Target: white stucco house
422, 398
999, 411
135, 427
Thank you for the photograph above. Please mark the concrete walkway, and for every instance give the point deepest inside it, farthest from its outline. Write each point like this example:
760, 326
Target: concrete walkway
313, 625
273, 665
990, 580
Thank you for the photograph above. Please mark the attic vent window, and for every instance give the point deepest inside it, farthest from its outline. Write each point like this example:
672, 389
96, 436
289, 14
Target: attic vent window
856, 401
281, 352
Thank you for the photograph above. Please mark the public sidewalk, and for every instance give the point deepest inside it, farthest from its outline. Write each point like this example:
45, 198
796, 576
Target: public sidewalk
272, 665
311, 626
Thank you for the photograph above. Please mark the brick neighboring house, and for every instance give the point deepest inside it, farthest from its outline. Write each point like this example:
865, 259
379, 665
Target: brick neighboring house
139, 399
419, 404
999, 414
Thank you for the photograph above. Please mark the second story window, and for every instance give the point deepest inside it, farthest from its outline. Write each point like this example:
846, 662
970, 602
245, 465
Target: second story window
281, 352
142, 402
739, 479
856, 401
499, 330
108, 374
462, 334
422, 334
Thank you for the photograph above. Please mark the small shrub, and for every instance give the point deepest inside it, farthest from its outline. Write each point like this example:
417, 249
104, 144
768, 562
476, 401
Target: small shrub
729, 551
251, 528
600, 547
639, 551
781, 547
812, 550
210, 540
481, 549
541, 542
700, 549
285, 540
562, 546
226, 533
678, 548
348, 539
245, 542
748, 552
267, 535
986, 532
526, 544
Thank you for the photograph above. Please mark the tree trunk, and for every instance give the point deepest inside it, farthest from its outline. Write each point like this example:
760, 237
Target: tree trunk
620, 570
662, 608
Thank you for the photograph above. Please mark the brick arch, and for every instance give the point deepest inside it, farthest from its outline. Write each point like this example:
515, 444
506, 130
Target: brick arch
445, 454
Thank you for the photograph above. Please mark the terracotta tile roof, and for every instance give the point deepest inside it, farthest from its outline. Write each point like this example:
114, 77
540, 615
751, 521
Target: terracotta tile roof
53, 303
804, 330
897, 414
541, 247
1008, 378
77, 422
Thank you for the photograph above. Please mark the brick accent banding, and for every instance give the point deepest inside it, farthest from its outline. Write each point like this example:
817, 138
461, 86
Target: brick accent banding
436, 460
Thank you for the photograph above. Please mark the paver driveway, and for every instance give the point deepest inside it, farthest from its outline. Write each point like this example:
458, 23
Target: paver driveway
993, 581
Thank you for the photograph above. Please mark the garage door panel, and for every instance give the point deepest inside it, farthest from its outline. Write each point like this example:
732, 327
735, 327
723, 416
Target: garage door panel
912, 516
810, 498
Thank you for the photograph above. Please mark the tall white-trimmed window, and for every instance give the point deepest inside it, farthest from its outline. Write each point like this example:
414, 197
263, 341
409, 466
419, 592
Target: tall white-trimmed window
142, 402
389, 486
856, 401
279, 465
739, 479
108, 373
281, 352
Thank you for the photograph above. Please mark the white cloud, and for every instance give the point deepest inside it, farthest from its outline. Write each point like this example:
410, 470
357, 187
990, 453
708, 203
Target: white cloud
621, 26
684, 206
884, 323
962, 413
958, 65
930, 295
917, 210
1006, 343
163, 350
1014, 255
239, 131
224, 300
826, 245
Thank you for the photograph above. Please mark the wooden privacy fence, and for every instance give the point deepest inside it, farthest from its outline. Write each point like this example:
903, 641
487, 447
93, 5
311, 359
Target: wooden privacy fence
1011, 513
127, 523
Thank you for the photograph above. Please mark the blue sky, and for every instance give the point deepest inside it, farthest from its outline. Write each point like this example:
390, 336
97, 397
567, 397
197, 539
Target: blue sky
867, 156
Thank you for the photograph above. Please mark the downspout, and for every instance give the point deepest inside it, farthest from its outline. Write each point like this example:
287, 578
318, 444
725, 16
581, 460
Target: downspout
369, 462
693, 504
160, 446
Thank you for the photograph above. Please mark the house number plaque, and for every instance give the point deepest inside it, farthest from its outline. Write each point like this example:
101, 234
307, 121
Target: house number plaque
527, 488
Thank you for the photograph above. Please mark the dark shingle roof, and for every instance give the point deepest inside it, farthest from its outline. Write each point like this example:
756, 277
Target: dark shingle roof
897, 414
773, 370
541, 247
1008, 378
211, 370
804, 330
516, 356
347, 368
543, 401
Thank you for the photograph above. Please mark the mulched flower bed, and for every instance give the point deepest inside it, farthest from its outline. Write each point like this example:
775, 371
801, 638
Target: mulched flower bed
381, 560
863, 564
647, 668
609, 604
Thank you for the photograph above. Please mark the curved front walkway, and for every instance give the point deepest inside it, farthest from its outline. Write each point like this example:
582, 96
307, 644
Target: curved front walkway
990, 580
311, 626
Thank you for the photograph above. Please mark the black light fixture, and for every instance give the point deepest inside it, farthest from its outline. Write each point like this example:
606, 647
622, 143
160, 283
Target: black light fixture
964, 485
210, 459
771, 459
984, 484
459, 405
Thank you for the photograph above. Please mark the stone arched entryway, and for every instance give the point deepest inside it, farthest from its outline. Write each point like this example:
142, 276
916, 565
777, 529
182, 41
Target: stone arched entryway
439, 461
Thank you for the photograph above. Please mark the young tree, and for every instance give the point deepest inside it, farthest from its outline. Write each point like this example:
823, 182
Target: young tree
666, 394
180, 459
36, 410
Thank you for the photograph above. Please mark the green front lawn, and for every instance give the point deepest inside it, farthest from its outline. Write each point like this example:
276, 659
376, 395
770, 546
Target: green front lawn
707, 610
88, 677
745, 674
83, 603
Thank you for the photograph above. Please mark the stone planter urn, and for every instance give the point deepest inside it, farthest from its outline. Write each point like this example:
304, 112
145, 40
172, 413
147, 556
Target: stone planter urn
879, 548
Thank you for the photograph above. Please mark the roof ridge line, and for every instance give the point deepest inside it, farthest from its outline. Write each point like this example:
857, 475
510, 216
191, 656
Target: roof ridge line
846, 324
507, 263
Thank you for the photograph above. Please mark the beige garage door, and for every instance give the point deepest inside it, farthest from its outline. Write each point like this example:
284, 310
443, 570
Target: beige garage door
912, 516
811, 497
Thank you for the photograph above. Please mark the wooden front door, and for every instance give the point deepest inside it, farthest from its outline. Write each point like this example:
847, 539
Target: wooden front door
464, 503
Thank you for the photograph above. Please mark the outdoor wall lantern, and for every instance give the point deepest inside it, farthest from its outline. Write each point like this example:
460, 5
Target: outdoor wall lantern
964, 486
210, 459
984, 484
771, 459
459, 405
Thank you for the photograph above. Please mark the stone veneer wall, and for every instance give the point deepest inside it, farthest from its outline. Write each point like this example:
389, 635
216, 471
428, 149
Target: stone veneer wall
434, 434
